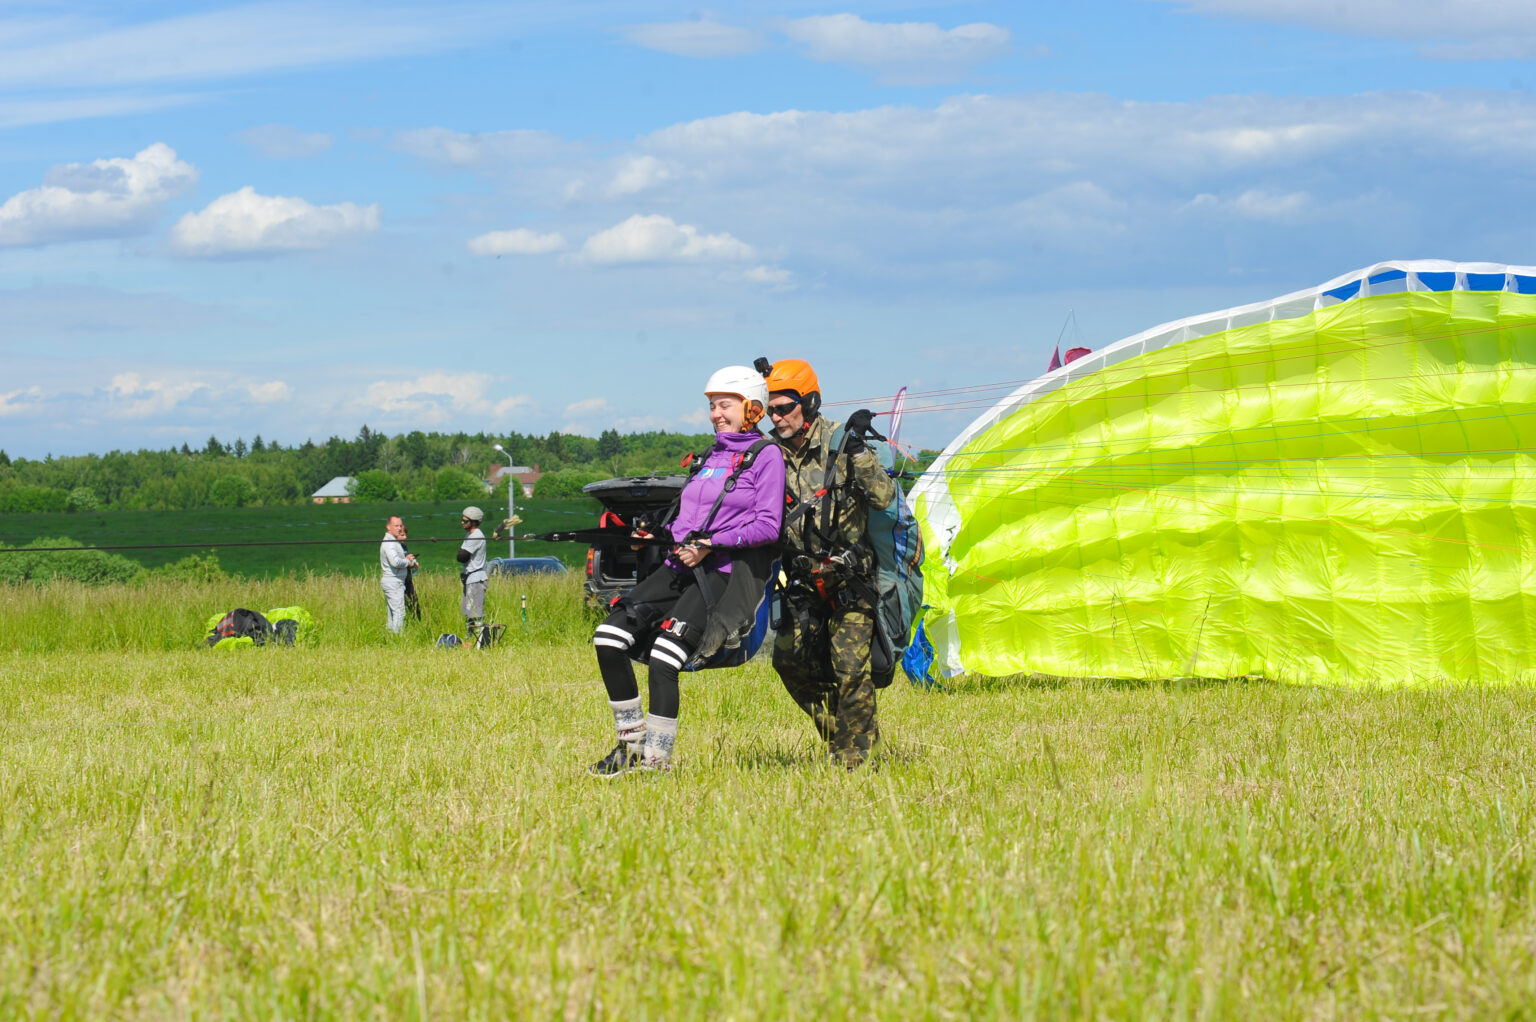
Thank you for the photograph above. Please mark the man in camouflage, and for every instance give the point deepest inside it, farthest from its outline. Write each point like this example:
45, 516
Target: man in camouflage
822, 648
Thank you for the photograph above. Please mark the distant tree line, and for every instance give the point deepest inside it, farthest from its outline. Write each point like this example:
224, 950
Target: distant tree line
409, 466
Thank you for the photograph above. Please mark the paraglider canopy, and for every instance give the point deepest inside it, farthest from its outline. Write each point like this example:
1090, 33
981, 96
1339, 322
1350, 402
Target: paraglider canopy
1336, 484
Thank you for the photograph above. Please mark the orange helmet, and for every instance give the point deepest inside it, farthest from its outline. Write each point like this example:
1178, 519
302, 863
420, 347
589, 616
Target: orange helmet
796, 376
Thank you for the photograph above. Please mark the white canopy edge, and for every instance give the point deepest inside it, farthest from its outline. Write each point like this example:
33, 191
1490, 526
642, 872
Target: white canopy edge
1403, 275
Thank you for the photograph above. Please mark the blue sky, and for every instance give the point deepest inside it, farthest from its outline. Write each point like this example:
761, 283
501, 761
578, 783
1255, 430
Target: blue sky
291, 219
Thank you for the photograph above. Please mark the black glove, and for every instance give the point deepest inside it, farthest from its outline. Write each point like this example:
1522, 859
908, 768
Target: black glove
854, 444
861, 424
463, 556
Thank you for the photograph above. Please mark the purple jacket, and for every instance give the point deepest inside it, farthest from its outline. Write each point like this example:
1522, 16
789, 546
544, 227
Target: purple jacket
750, 515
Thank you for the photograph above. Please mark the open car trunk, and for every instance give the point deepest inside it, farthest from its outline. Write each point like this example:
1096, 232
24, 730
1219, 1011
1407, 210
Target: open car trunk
614, 570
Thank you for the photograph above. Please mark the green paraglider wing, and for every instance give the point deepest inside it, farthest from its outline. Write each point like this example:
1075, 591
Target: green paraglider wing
1336, 486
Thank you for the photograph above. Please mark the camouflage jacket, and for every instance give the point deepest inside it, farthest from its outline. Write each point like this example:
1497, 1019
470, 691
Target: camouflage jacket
805, 473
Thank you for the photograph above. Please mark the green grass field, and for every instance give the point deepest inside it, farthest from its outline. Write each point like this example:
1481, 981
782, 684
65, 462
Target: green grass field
434, 531
371, 828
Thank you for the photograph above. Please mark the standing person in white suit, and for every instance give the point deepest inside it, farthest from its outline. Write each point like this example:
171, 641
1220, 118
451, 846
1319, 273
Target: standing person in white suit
395, 566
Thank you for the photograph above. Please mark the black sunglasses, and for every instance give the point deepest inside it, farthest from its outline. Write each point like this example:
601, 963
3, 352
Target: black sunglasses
779, 411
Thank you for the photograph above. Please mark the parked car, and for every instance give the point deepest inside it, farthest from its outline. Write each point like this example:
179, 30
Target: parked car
525, 566
614, 570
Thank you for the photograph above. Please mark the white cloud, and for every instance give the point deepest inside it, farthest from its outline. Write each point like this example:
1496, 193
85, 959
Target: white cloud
586, 408
464, 390
19, 402
658, 239
470, 150
518, 241
1265, 204
16, 113
1464, 30
703, 37
271, 392
507, 405
637, 174
437, 398
153, 400
132, 397
979, 191
281, 142
246, 223
775, 277
251, 39
107, 198
908, 52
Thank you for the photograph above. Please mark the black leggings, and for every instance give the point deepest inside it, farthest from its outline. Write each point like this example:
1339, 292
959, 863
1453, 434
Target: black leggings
664, 595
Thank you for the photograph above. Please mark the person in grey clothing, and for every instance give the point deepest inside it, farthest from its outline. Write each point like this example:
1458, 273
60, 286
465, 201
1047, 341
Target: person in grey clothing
395, 565
472, 573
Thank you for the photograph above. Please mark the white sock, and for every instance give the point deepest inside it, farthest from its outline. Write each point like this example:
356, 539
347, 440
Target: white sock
629, 720
660, 736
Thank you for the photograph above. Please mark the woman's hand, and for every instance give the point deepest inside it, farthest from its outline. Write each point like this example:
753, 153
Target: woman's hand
692, 554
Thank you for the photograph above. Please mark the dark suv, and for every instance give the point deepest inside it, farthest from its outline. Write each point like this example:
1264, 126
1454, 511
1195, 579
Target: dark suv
614, 570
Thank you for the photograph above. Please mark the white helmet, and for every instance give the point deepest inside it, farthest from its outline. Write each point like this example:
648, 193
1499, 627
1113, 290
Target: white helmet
473, 513
743, 381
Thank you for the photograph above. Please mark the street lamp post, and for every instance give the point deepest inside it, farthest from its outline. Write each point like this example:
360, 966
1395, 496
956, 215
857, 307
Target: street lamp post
511, 511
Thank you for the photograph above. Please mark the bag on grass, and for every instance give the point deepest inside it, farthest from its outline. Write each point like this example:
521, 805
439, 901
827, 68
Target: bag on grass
240, 627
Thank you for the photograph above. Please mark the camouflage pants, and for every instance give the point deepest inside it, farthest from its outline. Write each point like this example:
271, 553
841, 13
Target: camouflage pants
822, 655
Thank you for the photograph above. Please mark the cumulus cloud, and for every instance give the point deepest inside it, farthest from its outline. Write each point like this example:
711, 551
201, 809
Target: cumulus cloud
18, 402
518, 241
271, 392
151, 400
246, 223
108, 198
658, 239
700, 37
1267, 204
480, 149
636, 174
979, 190
438, 398
908, 52
586, 407
132, 397
1465, 30
775, 278
280, 142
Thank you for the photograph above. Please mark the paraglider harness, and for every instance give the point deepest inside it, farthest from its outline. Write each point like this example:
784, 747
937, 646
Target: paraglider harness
833, 575
882, 571
744, 600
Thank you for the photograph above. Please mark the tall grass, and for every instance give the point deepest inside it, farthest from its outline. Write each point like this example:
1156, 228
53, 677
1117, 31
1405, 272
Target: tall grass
349, 611
349, 830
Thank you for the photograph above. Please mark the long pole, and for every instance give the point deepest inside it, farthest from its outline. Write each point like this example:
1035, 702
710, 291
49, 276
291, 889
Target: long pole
511, 508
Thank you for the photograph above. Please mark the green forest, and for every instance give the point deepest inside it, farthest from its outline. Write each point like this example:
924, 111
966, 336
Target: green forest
413, 466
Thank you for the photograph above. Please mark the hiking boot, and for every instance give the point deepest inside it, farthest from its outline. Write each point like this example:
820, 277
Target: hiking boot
621, 760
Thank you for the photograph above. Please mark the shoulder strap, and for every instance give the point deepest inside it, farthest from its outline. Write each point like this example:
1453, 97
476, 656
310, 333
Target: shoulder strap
747, 458
692, 463
831, 509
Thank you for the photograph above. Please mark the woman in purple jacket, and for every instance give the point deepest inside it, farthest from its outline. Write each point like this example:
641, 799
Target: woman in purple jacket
729, 516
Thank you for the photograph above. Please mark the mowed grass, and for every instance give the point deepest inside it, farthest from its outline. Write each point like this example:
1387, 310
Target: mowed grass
305, 538
361, 829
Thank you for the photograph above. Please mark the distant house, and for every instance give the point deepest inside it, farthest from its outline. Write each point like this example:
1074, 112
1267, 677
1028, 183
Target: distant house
524, 475
337, 491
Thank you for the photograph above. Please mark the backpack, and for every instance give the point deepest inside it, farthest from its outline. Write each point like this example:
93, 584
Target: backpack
897, 543
240, 627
